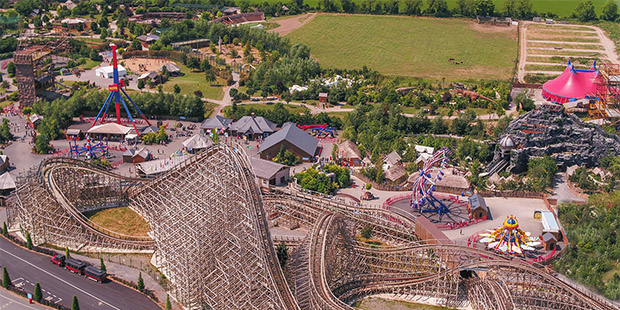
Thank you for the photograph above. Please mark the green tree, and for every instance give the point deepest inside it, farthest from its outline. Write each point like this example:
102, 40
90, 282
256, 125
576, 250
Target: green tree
102, 265
282, 253
610, 11
585, 11
177, 89
468, 7
28, 241
75, 305
67, 253
205, 65
210, 75
6, 280
94, 27
140, 282
104, 33
168, 304
366, 232
541, 173
38, 295
193, 63
5, 230
413, 7
141, 84
485, 7
42, 144
136, 45
10, 69
438, 8
5, 131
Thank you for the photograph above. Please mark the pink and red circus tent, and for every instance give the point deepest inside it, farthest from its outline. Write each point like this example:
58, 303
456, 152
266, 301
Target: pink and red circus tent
572, 84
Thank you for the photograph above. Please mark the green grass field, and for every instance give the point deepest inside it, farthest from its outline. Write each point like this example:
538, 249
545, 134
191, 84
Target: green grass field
294, 109
192, 81
562, 8
407, 46
121, 220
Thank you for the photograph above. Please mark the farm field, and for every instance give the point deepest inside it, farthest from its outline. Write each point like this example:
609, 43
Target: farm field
547, 49
562, 8
407, 46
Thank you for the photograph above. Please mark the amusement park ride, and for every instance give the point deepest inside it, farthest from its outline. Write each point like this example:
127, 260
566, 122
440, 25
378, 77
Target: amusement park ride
91, 150
319, 130
88, 149
424, 185
509, 238
115, 95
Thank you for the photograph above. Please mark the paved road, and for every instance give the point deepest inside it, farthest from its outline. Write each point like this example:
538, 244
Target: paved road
59, 285
10, 301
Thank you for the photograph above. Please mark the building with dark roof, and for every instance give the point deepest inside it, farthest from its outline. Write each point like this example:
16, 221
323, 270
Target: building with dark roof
252, 126
269, 173
136, 156
290, 138
217, 122
477, 207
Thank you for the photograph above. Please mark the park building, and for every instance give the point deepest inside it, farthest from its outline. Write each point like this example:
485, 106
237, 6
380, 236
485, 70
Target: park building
252, 127
477, 207
269, 173
216, 123
292, 139
350, 154
108, 72
197, 143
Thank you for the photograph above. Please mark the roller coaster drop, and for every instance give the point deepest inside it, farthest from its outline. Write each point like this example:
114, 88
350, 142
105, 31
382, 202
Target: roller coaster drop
210, 234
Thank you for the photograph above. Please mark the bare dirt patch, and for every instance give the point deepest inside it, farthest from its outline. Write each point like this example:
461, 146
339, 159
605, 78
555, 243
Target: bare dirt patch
142, 65
491, 28
287, 25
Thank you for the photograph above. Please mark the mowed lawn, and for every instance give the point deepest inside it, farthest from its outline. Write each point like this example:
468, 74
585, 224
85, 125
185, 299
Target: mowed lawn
122, 220
408, 46
562, 8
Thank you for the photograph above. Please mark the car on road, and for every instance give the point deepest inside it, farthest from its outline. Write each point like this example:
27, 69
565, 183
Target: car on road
58, 260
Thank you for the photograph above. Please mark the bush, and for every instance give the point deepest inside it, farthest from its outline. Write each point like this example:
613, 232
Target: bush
368, 186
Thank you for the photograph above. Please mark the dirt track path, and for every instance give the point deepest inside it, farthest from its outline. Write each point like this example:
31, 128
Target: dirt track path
289, 24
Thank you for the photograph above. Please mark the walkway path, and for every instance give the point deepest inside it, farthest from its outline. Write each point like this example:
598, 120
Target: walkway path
12, 301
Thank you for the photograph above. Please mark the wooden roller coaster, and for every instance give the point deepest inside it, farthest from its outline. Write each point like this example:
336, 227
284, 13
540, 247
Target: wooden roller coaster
211, 237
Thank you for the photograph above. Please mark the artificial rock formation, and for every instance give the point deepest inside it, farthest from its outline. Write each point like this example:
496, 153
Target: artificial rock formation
553, 132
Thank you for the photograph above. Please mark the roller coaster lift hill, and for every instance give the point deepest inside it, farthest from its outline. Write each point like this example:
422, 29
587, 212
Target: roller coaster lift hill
115, 95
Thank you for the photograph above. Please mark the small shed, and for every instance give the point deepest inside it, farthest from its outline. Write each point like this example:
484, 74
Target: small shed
391, 159
7, 184
269, 173
322, 97
396, 173
73, 133
549, 241
477, 207
135, 156
4, 163
172, 68
350, 153
35, 119
550, 225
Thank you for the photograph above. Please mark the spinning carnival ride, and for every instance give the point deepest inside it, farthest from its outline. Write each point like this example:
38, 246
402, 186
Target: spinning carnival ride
115, 95
510, 238
88, 149
424, 185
